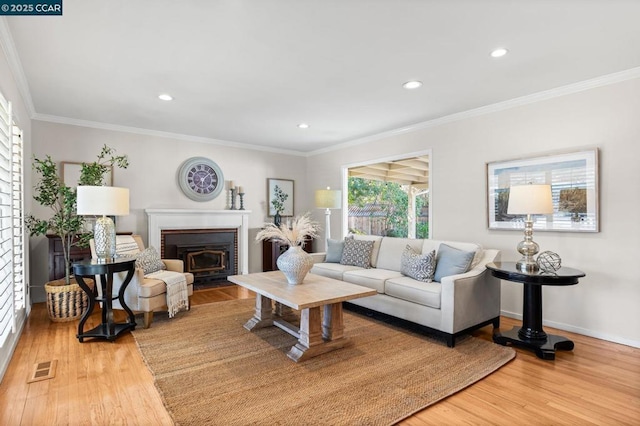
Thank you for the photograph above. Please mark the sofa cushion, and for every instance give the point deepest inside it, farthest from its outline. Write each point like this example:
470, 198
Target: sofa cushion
373, 278
376, 246
429, 245
149, 260
334, 251
405, 288
357, 253
418, 266
452, 261
332, 270
390, 253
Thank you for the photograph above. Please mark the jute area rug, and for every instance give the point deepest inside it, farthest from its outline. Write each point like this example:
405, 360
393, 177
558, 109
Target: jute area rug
211, 371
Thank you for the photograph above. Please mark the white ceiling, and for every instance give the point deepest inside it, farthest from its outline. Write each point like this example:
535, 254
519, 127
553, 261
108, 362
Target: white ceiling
247, 72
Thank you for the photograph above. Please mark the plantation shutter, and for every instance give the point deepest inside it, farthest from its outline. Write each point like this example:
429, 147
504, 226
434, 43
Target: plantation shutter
7, 301
17, 190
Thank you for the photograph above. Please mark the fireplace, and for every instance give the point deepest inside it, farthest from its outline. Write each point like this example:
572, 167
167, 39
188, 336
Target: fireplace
209, 254
162, 220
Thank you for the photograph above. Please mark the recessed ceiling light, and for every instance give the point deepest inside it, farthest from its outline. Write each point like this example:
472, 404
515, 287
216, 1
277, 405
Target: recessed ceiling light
303, 126
499, 52
413, 84
165, 97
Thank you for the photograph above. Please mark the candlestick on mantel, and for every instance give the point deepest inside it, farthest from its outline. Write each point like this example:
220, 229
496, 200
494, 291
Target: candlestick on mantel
233, 199
241, 194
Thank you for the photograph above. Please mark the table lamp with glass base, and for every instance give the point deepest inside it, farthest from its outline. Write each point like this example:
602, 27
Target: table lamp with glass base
103, 201
529, 200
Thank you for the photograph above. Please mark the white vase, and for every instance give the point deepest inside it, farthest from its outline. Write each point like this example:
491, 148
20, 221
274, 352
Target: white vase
295, 263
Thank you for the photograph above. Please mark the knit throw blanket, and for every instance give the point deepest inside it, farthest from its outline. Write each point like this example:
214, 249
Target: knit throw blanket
177, 293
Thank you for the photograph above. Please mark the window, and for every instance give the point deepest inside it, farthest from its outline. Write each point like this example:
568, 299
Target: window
12, 282
390, 197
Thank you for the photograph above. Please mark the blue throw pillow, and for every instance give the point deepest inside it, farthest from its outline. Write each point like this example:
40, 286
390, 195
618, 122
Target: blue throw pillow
452, 261
334, 251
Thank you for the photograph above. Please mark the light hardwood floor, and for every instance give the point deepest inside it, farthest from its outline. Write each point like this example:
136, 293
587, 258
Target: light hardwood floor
100, 382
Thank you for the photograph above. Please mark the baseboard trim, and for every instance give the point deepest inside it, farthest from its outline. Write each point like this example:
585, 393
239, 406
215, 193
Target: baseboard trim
579, 330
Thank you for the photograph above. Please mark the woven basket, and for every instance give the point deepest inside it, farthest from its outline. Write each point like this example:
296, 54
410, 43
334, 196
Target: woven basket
66, 302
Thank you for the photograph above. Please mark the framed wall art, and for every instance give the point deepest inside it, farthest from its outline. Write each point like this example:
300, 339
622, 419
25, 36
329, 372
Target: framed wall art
280, 193
574, 186
70, 174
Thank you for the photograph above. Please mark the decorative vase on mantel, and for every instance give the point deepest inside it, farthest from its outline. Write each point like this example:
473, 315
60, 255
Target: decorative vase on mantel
295, 263
277, 219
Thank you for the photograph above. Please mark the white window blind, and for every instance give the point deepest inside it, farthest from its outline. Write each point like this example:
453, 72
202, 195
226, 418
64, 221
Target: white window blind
12, 261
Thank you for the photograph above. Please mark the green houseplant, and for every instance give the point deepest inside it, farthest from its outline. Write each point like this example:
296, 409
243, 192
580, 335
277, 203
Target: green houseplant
50, 191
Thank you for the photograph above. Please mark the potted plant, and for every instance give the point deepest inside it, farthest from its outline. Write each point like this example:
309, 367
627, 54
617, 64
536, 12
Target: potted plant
65, 300
295, 263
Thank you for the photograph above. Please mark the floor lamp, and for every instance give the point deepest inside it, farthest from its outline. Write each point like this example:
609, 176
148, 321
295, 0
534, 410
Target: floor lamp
328, 199
103, 201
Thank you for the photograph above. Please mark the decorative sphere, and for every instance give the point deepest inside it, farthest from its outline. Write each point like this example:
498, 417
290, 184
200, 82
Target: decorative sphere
548, 261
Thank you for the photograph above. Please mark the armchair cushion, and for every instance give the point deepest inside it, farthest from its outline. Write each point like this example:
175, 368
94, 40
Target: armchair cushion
149, 260
126, 245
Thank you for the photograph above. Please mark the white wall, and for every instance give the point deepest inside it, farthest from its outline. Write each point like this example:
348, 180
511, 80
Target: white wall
605, 303
151, 178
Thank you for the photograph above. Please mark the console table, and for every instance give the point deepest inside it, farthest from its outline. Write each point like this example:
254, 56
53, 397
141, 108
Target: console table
271, 250
531, 335
56, 256
108, 329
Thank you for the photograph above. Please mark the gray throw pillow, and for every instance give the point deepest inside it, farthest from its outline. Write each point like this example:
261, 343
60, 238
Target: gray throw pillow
452, 261
149, 260
357, 253
334, 251
418, 266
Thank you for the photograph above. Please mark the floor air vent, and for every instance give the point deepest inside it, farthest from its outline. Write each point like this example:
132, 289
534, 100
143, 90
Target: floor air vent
43, 371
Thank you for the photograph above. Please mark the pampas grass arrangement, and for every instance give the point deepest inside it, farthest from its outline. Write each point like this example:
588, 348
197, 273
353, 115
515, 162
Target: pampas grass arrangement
302, 227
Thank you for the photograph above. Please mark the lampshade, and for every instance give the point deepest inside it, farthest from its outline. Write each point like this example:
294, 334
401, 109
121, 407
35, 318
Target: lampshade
530, 199
102, 200
328, 198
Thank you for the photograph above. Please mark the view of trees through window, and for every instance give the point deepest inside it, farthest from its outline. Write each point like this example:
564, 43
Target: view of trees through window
381, 208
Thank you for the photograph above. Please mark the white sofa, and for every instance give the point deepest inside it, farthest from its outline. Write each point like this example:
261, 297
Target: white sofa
454, 306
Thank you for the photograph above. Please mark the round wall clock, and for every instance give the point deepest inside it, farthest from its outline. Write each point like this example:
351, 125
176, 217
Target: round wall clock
200, 179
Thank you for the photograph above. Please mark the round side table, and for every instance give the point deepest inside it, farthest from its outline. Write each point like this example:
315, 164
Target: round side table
108, 329
531, 335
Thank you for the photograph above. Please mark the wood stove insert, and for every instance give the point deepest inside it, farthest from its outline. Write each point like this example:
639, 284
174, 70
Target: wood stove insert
211, 255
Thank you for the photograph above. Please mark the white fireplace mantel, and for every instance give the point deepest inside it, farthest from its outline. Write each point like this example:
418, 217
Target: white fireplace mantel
162, 219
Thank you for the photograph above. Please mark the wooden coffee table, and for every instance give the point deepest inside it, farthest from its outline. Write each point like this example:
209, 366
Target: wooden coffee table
319, 332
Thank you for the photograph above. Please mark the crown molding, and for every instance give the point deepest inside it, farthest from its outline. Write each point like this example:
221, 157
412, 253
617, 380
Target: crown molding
13, 60
490, 109
161, 134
